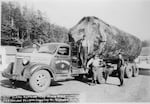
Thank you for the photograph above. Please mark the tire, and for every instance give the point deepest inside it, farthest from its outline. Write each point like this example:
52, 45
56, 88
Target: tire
128, 71
135, 71
40, 80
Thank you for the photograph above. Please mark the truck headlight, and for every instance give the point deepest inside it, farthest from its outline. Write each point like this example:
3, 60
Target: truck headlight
26, 60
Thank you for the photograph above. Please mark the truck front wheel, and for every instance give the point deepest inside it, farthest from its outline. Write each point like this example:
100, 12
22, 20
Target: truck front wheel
40, 80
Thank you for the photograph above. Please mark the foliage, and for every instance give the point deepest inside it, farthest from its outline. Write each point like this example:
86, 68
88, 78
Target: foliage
25, 26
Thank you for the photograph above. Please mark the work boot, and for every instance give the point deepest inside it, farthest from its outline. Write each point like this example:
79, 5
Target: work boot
121, 84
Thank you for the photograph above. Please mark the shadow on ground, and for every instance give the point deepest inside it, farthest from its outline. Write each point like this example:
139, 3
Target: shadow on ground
20, 84
145, 72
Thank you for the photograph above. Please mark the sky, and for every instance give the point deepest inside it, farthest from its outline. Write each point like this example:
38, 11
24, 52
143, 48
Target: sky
131, 16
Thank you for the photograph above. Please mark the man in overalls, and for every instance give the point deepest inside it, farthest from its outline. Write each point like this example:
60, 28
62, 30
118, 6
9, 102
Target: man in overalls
95, 62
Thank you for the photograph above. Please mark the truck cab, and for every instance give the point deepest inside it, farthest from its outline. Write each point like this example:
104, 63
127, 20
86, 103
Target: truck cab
52, 61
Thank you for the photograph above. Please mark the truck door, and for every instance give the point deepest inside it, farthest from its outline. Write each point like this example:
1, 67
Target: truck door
62, 60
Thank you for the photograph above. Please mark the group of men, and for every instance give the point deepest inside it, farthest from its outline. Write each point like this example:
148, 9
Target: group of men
97, 63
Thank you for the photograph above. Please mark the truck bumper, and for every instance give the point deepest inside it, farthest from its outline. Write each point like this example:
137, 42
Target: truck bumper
7, 73
13, 76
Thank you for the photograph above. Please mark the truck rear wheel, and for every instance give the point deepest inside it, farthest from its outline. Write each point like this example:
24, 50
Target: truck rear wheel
135, 71
40, 80
128, 71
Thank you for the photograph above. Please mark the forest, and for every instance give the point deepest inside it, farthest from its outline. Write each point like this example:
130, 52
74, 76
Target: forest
22, 26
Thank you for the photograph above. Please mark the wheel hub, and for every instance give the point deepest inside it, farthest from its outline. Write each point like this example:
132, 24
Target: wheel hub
41, 80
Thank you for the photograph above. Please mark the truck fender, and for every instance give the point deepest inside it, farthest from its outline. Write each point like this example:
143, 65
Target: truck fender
9, 68
45, 67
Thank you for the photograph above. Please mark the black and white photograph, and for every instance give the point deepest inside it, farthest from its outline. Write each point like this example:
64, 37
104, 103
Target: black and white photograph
75, 51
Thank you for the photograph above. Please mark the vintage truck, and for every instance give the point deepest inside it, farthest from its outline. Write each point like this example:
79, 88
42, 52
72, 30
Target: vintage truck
52, 61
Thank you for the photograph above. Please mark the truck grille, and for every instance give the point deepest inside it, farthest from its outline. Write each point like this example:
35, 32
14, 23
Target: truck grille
18, 67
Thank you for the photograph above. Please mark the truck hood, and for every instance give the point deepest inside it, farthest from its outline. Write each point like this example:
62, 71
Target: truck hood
43, 58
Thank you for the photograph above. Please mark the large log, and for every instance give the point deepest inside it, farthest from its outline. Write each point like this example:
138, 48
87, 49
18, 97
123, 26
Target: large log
105, 39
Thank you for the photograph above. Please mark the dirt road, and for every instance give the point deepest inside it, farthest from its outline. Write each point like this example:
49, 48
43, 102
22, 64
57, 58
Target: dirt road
136, 89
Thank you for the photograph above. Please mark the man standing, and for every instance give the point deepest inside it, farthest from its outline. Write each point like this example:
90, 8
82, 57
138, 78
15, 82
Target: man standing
96, 63
83, 49
120, 69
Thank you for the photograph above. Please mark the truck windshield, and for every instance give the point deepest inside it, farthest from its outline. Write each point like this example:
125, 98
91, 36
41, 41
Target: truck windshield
48, 49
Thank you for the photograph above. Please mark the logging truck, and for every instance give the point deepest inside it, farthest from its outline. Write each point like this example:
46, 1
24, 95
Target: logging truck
62, 60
